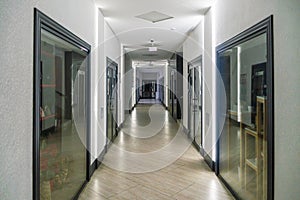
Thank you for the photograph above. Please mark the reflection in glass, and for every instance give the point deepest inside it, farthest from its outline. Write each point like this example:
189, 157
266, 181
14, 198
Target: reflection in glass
198, 107
112, 101
195, 100
243, 142
63, 121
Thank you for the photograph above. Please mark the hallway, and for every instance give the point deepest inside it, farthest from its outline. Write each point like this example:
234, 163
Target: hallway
188, 177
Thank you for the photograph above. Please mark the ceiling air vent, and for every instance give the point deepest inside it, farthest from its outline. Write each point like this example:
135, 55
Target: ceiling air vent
154, 17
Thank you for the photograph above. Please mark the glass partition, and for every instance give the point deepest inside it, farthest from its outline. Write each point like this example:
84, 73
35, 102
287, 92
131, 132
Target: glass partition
195, 104
62, 118
111, 100
245, 144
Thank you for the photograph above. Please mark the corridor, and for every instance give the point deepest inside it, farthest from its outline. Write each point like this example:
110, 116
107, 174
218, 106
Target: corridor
188, 177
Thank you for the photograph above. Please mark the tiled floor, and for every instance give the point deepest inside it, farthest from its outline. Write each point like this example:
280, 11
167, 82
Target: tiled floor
188, 177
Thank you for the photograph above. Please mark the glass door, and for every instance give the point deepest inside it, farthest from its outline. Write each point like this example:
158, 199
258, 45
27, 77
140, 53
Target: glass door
245, 144
112, 100
190, 103
62, 108
61, 111
137, 91
195, 102
197, 106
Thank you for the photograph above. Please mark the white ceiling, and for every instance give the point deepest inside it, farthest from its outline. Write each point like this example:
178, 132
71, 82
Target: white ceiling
135, 32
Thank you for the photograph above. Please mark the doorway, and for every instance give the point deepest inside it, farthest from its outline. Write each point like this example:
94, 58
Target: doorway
149, 89
161, 90
195, 101
61, 161
111, 100
245, 103
137, 91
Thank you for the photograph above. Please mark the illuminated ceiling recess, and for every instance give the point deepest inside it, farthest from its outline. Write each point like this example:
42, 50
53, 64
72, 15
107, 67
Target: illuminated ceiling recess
138, 21
154, 17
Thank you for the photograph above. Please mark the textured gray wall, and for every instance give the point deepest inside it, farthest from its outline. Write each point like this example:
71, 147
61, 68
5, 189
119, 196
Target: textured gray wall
287, 99
234, 16
16, 35
16, 83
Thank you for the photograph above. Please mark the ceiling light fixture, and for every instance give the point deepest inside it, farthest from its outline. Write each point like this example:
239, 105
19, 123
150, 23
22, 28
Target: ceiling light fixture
154, 17
152, 48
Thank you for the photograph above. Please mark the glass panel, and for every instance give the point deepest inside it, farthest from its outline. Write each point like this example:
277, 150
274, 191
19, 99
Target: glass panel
195, 124
63, 118
174, 95
111, 101
198, 122
243, 142
191, 96
109, 104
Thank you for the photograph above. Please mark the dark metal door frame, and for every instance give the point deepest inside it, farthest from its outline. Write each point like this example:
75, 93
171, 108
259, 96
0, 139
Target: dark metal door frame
193, 67
137, 92
264, 26
111, 65
42, 21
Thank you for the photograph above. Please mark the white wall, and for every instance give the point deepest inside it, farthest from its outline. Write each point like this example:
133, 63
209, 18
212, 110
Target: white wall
16, 82
209, 87
234, 16
287, 99
112, 44
149, 76
108, 46
112, 50
128, 82
192, 48
199, 43
99, 113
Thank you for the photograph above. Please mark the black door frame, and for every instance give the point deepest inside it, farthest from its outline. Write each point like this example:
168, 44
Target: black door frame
110, 64
146, 82
137, 91
191, 65
42, 21
161, 89
264, 26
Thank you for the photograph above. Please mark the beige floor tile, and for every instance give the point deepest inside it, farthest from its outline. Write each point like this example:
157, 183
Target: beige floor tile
200, 192
140, 193
188, 177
